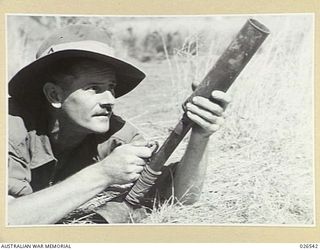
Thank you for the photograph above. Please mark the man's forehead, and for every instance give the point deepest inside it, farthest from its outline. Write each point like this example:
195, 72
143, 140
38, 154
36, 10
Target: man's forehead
78, 73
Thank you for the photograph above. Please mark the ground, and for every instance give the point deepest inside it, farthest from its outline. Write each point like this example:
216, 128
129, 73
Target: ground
260, 168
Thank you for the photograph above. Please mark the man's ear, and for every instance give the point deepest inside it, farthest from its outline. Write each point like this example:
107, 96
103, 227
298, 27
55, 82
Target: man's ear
53, 93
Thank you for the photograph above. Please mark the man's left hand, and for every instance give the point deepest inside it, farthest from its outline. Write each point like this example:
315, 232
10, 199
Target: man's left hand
208, 113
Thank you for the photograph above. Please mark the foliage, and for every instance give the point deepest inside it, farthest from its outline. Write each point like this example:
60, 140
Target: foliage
261, 162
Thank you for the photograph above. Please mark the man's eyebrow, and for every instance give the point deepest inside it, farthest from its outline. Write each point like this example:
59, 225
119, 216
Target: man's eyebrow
103, 83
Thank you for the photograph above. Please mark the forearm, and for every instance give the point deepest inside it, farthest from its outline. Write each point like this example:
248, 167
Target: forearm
189, 176
51, 204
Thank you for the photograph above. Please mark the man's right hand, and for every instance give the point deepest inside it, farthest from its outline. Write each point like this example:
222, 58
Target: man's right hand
125, 163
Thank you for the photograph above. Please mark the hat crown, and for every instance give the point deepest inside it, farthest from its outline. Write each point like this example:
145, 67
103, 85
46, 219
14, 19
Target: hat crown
74, 41
73, 33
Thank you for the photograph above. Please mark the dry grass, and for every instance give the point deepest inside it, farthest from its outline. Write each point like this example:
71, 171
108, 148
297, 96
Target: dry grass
261, 164
260, 168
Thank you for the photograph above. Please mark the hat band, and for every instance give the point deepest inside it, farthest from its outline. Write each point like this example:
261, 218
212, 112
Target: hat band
91, 46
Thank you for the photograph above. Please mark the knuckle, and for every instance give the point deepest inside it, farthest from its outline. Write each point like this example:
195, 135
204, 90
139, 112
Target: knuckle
214, 127
220, 121
197, 120
199, 100
209, 127
126, 168
228, 99
190, 115
141, 163
133, 177
217, 109
192, 107
130, 168
205, 125
139, 169
130, 159
212, 118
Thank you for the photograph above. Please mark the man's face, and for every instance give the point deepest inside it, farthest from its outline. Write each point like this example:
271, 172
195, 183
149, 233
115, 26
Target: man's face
88, 97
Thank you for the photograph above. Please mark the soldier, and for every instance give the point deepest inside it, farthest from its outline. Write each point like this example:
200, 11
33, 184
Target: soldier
65, 143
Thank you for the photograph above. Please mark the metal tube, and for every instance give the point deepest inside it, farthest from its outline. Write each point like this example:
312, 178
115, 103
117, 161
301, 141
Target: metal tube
220, 77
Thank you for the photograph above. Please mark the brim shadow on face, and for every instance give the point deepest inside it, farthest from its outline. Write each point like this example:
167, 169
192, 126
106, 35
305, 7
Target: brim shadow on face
26, 85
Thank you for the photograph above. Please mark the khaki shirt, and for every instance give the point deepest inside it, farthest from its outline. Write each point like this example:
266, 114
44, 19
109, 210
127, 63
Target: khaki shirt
32, 165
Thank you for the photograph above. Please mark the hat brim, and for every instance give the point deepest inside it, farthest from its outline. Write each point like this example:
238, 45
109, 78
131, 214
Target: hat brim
27, 84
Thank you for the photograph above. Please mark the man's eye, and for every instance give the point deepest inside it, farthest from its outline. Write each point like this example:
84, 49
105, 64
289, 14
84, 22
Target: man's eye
100, 88
94, 88
112, 86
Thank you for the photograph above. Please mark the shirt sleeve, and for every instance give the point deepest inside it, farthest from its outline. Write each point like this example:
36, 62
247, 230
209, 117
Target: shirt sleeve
19, 172
19, 175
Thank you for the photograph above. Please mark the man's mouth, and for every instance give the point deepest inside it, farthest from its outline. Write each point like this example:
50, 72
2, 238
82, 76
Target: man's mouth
103, 114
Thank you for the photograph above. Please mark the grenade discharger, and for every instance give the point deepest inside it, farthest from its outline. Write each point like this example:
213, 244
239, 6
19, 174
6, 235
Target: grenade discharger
220, 77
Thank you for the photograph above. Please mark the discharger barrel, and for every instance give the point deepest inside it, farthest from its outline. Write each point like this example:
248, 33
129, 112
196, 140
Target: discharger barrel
220, 77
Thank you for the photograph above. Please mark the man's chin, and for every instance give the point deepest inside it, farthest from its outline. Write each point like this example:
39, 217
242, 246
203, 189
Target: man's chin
100, 129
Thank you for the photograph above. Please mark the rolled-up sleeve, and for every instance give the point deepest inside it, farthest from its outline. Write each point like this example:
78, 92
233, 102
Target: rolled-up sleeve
18, 178
19, 172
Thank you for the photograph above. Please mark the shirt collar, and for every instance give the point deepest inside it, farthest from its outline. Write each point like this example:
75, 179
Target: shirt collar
40, 148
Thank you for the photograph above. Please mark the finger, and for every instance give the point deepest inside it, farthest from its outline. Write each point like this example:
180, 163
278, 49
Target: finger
133, 177
208, 105
153, 145
138, 161
203, 123
194, 85
123, 186
140, 149
133, 169
142, 152
221, 98
204, 114
128, 185
137, 169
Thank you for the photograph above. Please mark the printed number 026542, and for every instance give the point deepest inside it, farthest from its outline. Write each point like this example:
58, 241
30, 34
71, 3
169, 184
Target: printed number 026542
309, 246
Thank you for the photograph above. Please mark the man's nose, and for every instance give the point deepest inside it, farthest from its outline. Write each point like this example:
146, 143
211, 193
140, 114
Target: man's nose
106, 98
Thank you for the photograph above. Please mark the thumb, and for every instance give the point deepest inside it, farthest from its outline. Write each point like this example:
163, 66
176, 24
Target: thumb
153, 145
140, 143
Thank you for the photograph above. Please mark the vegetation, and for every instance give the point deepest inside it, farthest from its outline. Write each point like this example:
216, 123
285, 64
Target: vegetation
261, 162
